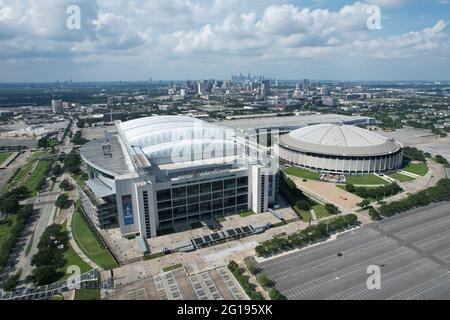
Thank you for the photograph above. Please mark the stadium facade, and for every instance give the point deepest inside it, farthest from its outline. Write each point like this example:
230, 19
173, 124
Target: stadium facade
339, 148
161, 173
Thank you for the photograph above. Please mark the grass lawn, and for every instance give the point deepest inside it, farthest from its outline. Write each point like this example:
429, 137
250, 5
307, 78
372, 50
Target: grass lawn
33, 182
20, 175
73, 259
4, 156
365, 180
154, 256
418, 168
87, 242
5, 229
29, 245
302, 173
246, 213
401, 177
320, 211
174, 267
305, 215
221, 219
87, 294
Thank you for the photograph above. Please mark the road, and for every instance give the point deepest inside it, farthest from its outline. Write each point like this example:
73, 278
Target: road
47, 212
411, 249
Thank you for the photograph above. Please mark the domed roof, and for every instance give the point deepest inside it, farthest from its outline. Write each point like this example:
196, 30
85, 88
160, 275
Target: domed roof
337, 139
162, 138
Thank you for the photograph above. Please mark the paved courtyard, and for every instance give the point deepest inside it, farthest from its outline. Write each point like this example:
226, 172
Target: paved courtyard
215, 284
328, 193
411, 249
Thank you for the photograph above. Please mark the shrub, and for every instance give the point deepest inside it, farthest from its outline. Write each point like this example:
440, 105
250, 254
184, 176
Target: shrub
303, 205
331, 208
374, 214
262, 279
243, 281
251, 266
308, 235
349, 187
61, 202
274, 294
12, 282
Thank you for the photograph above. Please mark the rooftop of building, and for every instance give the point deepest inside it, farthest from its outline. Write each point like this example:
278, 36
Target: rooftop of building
175, 139
110, 160
291, 122
338, 139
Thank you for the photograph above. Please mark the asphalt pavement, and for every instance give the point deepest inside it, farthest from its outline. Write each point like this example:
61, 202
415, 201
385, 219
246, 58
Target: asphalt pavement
411, 250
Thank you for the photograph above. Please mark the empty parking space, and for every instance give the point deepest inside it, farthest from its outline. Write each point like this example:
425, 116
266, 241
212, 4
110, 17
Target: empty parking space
411, 251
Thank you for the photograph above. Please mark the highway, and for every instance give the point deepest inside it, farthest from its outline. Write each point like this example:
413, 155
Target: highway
412, 251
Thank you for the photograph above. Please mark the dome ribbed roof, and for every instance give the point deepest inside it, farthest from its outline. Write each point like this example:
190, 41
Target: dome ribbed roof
336, 139
164, 137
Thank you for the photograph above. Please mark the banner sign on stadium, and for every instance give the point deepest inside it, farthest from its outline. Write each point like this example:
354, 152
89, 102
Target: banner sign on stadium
127, 207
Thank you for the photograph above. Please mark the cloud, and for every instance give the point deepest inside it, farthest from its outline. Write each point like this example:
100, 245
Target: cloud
186, 34
388, 3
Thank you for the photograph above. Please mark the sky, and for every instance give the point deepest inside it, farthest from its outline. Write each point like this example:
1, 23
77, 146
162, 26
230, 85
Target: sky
206, 39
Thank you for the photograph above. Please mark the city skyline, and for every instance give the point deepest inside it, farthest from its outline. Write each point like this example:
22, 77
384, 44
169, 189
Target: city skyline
129, 41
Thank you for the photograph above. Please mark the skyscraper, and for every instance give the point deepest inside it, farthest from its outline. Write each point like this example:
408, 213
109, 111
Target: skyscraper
57, 106
265, 88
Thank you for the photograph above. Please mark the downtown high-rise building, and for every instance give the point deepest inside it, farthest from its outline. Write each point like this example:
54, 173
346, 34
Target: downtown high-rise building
57, 106
265, 88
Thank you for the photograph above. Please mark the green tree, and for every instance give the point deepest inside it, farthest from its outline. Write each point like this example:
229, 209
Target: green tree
262, 279
44, 275
251, 266
364, 203
66, 185
349, 187
274, 294
72, 163
43, 142
331, 208
374, 214
303, 205
61, 202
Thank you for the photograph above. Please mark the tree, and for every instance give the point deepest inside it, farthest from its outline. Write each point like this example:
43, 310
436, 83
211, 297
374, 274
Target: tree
44, 275
440, 159
48, 256
56, 170
274, 294
251, 266
61, 202
363, 204
331, 208
66, 185
9, 205
303, 205
43, 142
374, 214
72, 163
262, 279
349, 187
12, 281
78, 138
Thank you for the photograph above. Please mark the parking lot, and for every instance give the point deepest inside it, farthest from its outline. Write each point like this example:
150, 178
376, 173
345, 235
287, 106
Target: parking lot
412, 251
216, 284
